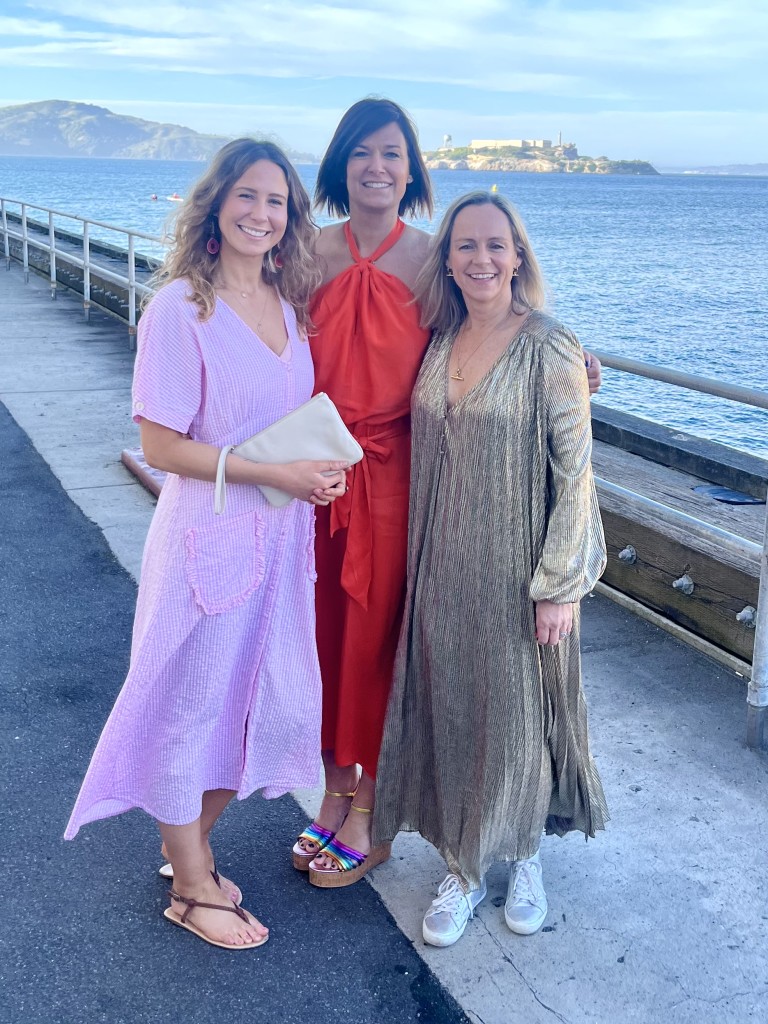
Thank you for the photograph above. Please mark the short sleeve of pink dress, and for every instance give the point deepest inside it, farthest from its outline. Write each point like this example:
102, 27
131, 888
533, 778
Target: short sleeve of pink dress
168, 374
223, 689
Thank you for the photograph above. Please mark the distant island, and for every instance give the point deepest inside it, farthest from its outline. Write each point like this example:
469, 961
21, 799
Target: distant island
539, 156
59, 128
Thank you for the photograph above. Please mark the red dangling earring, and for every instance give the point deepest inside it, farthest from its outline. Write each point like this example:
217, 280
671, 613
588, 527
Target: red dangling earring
213, 242
278, 260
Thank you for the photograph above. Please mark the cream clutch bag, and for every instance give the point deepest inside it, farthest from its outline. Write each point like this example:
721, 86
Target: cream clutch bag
313, 431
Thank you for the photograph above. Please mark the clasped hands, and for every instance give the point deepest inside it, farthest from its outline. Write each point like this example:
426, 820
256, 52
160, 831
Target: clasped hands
317, 481
325, 495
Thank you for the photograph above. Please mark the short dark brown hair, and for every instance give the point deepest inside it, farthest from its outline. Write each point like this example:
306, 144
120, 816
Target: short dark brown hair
361, 120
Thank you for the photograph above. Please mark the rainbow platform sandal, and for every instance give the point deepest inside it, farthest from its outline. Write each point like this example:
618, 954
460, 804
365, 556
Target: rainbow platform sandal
316, 834
349, 865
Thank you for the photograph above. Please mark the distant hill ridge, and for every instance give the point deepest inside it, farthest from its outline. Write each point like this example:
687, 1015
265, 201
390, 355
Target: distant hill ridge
63, 128
740, 170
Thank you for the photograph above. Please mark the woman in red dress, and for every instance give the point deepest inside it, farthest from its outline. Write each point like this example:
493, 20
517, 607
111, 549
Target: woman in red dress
367, 350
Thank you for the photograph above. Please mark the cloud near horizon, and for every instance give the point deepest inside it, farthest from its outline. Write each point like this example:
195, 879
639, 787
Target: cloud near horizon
471, 66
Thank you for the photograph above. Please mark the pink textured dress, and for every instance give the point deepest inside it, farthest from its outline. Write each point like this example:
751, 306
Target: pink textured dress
223, 690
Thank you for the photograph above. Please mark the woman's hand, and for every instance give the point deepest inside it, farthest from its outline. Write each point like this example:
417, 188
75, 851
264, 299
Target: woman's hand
594, 372
318, 482
554, 622
329, 494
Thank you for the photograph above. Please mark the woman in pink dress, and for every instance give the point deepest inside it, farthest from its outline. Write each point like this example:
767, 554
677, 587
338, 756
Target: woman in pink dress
218, 702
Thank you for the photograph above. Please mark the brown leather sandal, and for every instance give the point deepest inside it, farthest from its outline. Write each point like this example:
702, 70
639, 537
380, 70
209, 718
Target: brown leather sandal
166, 871
182, 922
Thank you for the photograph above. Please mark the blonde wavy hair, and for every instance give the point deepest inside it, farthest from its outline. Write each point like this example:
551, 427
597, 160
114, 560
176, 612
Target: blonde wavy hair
442, 305
197, 221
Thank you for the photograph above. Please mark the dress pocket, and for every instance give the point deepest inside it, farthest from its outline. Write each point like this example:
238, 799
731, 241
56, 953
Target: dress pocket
225, 561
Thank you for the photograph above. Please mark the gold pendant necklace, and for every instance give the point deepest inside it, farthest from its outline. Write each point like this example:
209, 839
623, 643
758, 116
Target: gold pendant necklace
457, 374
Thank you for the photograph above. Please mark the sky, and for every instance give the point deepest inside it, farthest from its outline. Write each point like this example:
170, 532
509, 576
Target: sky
677, 83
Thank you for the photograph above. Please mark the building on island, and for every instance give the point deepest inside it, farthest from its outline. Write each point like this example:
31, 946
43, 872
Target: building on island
510, 143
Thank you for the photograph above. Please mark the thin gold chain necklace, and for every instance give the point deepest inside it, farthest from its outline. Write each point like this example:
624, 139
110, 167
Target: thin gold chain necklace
461, 364
245, 295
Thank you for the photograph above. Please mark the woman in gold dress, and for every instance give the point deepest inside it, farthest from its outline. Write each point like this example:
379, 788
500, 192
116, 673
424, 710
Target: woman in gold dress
486, 742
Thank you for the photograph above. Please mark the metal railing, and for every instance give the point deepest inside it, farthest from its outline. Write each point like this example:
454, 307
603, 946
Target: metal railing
691, 381
757, 691
757, 696
78, 250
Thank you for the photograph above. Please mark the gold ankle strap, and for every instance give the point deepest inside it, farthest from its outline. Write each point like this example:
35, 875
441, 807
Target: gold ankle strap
329, 792
362, 810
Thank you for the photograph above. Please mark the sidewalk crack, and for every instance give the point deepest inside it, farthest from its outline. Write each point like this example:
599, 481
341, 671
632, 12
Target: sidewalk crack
506, 957
720, 999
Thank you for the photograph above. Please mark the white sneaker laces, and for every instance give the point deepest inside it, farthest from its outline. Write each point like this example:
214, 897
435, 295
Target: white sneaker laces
527, 886
451, 898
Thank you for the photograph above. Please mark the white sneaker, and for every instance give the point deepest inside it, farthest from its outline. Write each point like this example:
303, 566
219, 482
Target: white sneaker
447, 917
526, 908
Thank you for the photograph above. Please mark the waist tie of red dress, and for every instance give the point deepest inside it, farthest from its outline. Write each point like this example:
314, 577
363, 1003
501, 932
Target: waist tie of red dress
353, 511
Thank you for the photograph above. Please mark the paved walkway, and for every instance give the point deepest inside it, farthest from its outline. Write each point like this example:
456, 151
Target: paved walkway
664, 918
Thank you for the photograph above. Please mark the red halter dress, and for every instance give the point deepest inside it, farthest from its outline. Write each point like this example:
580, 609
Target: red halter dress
367, 352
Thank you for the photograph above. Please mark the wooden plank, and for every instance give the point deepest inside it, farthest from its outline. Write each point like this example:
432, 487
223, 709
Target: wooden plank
720, 591
133, 460
688, 531
701, 457
720, 655
675, 488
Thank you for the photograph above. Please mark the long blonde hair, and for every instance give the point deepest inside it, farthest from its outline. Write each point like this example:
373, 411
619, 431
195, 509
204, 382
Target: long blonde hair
197, 221
442, 304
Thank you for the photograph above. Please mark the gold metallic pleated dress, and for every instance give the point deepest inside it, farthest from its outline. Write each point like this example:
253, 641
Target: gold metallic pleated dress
486, 739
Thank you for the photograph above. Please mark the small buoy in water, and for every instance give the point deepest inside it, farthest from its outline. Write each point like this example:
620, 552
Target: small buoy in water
494, 188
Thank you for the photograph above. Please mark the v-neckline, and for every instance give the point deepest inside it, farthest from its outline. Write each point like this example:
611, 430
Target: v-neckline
504, 352
258, 336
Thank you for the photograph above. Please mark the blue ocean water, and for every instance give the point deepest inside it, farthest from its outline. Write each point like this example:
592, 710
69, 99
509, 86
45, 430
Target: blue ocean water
668, 269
